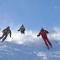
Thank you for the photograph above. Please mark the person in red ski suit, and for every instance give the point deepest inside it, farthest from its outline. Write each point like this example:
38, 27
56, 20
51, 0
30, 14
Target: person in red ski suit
44, 33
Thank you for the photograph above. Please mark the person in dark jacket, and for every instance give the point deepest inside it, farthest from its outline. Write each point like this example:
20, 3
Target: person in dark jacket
22, 29
44, 33
5, 32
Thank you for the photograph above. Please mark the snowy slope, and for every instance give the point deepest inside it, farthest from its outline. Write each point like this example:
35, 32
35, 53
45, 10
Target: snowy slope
29, 47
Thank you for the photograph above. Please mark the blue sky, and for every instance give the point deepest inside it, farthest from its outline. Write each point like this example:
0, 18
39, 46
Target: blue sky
34, 14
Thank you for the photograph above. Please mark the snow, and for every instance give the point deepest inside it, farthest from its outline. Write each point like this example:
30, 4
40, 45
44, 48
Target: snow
29, 47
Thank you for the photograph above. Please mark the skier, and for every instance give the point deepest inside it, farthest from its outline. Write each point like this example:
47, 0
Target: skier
22, 29
5, 32
44, 33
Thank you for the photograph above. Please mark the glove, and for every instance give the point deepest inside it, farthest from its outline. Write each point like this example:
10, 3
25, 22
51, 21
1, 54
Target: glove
38, 35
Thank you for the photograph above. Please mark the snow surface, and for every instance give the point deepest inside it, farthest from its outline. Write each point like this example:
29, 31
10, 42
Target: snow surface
29, 47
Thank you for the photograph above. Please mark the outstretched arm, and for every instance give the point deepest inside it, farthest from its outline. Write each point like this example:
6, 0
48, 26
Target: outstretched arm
19, 29
38, 35
46, 31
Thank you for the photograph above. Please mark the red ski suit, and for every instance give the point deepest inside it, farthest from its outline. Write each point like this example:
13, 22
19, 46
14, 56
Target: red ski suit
45, 38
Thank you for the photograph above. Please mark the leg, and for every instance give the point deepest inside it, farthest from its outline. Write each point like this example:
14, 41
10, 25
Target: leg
46, 43
49, 42
4, 38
